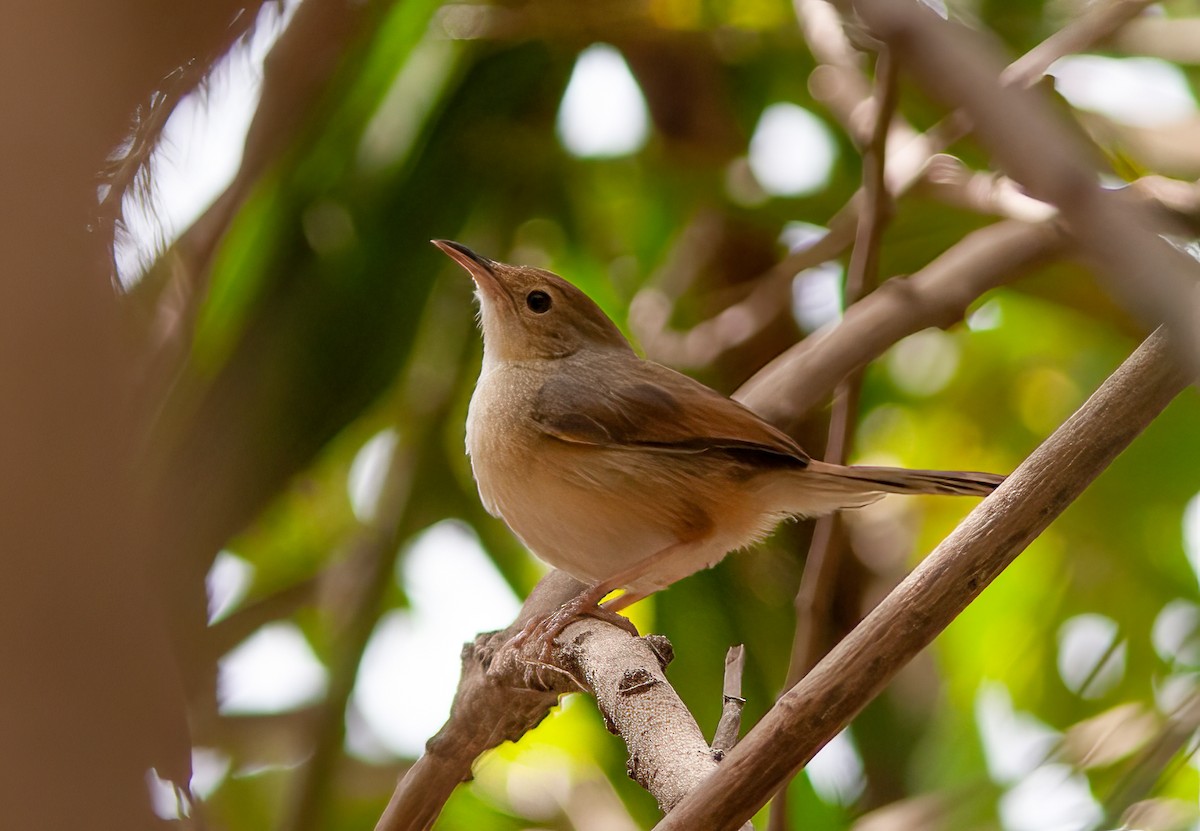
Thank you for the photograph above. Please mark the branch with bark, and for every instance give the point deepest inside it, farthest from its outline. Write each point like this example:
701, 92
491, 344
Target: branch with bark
504, 692
801, 378
948, 580
813, 597
496, 704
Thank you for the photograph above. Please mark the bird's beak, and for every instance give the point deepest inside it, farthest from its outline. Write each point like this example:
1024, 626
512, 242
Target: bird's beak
481, 269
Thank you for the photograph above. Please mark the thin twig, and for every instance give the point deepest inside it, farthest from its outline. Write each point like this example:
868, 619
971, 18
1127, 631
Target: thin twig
702, 344
984, 192
861, 277
863, 272
829, 540
1098, 22
839, 84
1137, 782
1094, 26
730, 725
961, 567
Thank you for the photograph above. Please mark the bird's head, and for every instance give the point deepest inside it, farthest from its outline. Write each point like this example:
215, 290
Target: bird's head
529, 313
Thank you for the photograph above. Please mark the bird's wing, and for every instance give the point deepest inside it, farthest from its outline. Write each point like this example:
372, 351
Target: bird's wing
652, 407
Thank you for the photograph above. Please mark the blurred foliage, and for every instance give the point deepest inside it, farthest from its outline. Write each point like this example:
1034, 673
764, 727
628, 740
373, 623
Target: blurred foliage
329, 319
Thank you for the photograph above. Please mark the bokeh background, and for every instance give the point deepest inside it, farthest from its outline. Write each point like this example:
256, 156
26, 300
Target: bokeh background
315, 533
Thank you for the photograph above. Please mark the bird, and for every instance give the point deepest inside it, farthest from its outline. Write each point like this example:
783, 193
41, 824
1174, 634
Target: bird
621, 471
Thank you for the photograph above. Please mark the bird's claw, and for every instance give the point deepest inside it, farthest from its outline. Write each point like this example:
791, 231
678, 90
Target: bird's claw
544, 629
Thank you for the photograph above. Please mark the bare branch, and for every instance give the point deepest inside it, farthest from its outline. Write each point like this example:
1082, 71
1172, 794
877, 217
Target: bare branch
1034, 146
1137, 783
789, 387
839, 83
730, 725
947, 178
485, 714
668, 755
937, 591
863, 272
1098, 21
1097, 24
1175, 39
650, 311
505, 691
225, 634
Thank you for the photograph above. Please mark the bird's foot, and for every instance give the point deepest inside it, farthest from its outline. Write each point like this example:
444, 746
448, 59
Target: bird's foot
544, 629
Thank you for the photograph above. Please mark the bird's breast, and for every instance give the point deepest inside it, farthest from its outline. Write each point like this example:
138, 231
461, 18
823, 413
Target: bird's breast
499, 433
594, 511
591, 511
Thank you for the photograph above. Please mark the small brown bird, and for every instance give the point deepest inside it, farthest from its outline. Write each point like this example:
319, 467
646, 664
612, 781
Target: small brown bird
620, 471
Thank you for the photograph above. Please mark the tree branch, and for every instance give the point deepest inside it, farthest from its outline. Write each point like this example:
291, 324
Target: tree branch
984, 192
1033, 145
839, 83
1098, 22
935, 593
504, 692
789, 387
701, 345
668, 755
485, 714
729, 728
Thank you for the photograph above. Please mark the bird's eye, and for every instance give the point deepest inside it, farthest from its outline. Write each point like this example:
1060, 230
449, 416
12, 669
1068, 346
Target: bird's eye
538, 302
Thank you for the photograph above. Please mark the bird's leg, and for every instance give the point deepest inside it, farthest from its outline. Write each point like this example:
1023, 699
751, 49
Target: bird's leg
548, 627
545, 628
624, 601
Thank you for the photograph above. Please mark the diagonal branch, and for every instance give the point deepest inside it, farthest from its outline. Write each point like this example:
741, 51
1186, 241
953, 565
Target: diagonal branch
935, 593
668, 755
485, 714
1033, 144
787, 388
1098, 22
505, 691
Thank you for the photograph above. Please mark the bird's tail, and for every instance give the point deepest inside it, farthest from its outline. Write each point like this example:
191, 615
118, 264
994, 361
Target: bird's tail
880, 480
